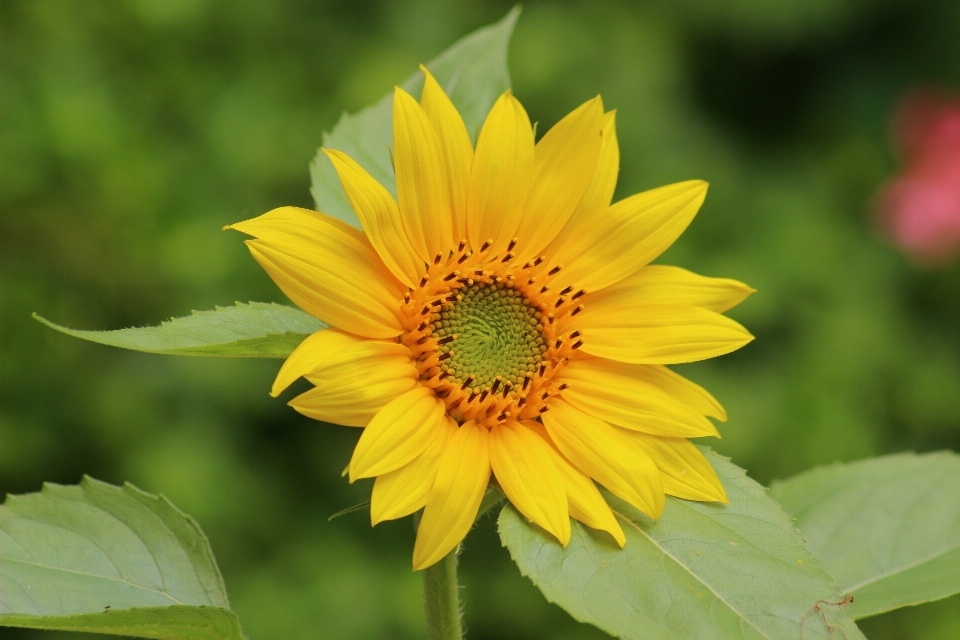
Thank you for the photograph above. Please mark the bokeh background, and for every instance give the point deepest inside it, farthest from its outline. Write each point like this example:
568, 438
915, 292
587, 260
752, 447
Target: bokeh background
132, 131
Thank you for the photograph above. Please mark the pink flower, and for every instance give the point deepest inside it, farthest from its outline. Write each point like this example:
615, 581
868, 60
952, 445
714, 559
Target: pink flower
920, 208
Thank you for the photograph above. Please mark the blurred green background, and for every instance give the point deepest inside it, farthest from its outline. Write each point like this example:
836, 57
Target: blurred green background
132, 131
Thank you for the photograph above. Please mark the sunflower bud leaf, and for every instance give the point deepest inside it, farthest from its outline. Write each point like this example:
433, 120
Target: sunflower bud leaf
251, 330
703, 570
888, 529
104, 559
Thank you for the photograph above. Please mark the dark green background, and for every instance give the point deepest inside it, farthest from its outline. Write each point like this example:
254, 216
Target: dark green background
132, 131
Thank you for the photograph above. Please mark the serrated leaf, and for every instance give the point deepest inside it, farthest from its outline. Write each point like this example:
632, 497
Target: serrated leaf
491, 500
108, 559
473, 72
252, 330
701, 572
888, 529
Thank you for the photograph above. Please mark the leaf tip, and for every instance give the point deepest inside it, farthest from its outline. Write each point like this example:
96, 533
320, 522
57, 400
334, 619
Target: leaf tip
513, 14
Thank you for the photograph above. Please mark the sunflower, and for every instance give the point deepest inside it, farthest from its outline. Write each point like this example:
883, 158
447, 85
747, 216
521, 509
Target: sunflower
500, 316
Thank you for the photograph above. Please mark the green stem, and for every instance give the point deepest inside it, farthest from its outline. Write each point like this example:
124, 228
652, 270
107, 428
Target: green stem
441, 595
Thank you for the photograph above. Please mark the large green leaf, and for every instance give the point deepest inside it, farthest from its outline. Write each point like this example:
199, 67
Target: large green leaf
700, 572
252, 330
473, 72
888, 529
107, 559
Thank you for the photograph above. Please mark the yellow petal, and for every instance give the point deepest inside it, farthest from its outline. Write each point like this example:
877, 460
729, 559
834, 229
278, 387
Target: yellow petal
359, 392
565, 164
328, 269
584, 500
686, 472
660, 284
626, 237
397, 434
659, 334
330, 348
462, 478
622, 394
456, 149
421, 179
380, 217
524, 466
330, 406
599, 193
350, 368
350, 379
690, 393
401, 492
501, 176
669, 382
607, 455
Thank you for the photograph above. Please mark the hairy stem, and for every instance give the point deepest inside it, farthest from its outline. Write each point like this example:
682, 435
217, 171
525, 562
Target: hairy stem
441, 595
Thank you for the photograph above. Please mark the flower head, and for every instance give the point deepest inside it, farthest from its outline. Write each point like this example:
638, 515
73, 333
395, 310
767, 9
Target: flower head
500, 317
920, 208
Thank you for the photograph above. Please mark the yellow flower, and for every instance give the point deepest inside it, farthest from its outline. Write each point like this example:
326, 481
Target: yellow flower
500, 316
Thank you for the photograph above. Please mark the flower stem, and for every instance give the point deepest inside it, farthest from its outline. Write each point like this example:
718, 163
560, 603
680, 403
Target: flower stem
441, 595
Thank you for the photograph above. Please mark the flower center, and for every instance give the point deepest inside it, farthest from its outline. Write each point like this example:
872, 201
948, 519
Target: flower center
498, 336
488, 335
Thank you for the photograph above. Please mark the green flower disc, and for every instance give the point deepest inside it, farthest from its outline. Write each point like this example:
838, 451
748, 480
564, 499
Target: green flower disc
498, 333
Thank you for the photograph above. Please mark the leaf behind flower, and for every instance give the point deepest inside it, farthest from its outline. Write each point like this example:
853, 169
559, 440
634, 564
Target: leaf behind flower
252, 330
703, 571
473, 72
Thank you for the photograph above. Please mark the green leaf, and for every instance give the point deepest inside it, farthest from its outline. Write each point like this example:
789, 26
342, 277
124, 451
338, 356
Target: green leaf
491, 500
473, 72
107, 559
701, 572
252, 330
888, 529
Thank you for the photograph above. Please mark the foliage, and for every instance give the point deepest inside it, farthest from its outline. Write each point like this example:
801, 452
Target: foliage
888, 529
705, 571
252, 330
95, 557
473, 72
